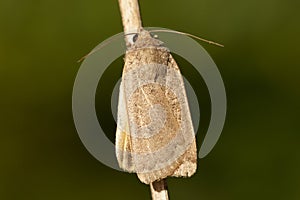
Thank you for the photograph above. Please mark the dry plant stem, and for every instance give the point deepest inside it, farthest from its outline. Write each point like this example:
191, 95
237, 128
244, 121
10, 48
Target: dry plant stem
132, 23
159, 190
131, 18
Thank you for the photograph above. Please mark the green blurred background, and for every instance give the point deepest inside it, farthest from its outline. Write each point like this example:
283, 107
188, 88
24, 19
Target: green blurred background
257, 156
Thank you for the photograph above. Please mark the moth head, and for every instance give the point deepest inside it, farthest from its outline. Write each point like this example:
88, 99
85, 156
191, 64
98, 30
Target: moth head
143, 39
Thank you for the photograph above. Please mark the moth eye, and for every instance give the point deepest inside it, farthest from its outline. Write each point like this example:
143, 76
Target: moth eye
135, 37
154, 36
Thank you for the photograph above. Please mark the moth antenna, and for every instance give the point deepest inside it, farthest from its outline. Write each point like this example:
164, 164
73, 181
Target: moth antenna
94, 50
100, 47
188, 34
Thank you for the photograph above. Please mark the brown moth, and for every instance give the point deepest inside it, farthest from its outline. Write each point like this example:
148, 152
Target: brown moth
155, 136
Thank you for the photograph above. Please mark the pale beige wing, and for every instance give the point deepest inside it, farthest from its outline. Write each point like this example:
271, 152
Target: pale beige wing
161, 140
123, 142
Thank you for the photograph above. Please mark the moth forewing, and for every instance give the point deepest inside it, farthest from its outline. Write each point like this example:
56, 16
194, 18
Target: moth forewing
123, 141
159, 139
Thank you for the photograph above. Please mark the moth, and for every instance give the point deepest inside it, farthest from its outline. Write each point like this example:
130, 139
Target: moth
155, 136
